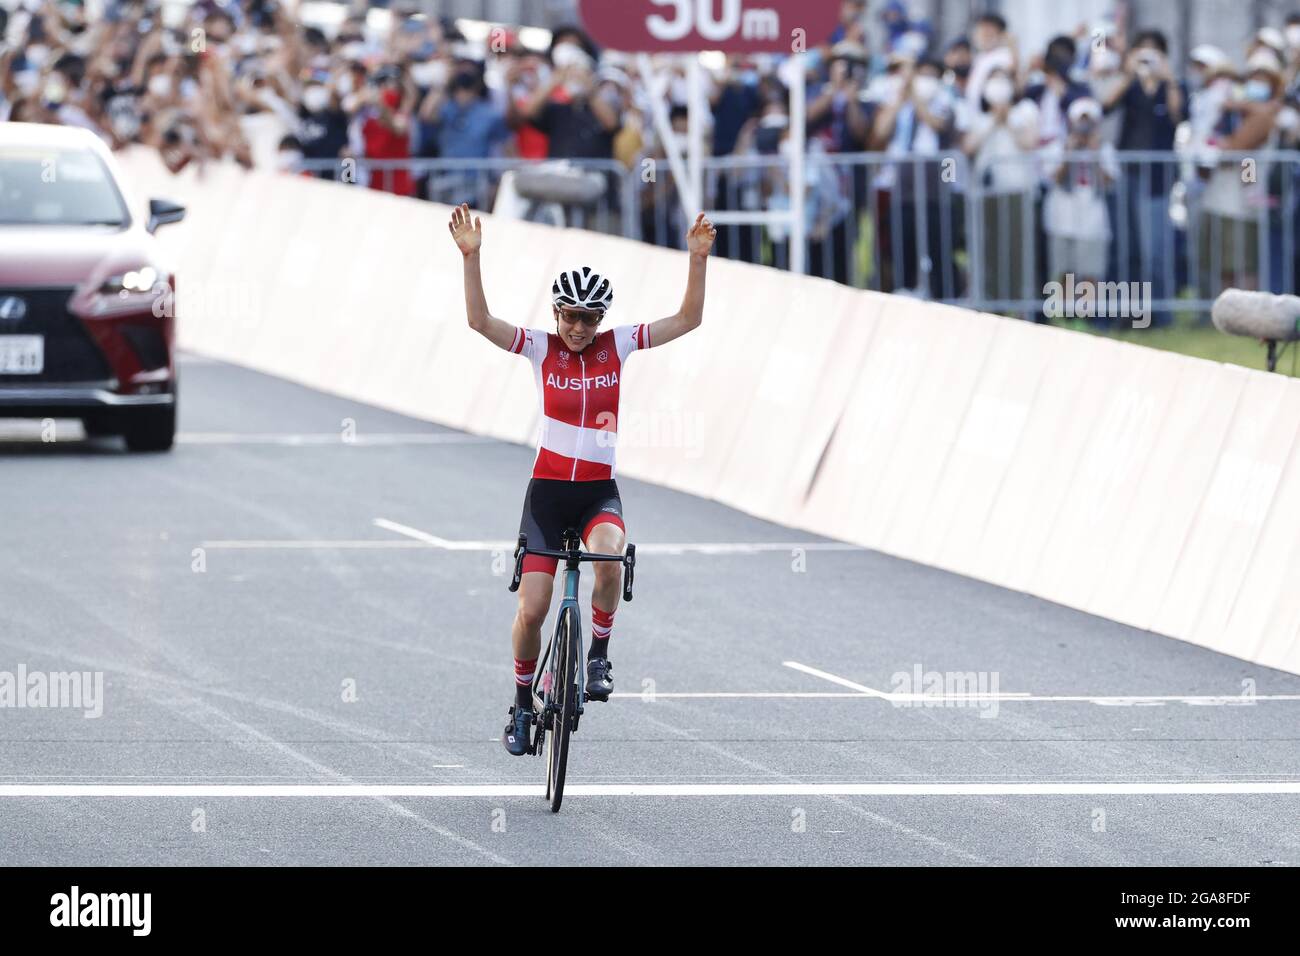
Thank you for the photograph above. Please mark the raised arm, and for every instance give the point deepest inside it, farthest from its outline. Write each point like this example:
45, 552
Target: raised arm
699, 240
467, 231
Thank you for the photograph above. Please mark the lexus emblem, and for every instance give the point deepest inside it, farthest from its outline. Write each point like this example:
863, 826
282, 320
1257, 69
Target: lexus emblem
12, 309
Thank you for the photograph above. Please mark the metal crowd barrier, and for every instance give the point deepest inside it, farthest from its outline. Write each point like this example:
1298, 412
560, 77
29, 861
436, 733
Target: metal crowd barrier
479, 183
1174, 228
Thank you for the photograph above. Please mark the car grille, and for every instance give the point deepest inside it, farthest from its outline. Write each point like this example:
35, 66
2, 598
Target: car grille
70, 354
149, 346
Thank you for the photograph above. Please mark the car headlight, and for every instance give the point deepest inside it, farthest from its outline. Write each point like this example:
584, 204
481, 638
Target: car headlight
133, 291
137, 280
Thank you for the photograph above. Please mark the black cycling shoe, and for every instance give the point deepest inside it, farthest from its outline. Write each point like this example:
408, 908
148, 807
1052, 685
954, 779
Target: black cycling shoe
516, 738
600, 679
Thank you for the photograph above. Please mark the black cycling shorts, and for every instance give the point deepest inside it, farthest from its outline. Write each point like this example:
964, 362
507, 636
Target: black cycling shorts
551, 505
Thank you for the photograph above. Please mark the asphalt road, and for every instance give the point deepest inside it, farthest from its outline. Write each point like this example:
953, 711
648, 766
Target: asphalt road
255, 626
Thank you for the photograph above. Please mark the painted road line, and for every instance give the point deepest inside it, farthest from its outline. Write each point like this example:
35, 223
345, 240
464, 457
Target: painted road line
416, 534
360, 544
1011, 789
843, 682
331, 438
1121, 700
417, 539
936, 700
649, 697
727, 547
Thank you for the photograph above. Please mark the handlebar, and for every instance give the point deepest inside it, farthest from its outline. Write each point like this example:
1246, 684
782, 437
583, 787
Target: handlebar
572, 557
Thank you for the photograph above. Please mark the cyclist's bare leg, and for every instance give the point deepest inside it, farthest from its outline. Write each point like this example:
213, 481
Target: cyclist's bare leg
535, 591
606, 538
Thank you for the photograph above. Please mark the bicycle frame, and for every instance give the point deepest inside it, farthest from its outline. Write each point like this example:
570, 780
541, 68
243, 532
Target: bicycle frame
572, 557
569, 602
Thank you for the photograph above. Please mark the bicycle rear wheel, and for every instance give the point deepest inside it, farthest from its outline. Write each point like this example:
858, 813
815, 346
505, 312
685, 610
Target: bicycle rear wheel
564, 693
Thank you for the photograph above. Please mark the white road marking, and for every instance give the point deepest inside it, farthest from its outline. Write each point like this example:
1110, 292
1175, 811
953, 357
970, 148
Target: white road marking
433, 540
737, 547
331, 438
843, 682
650, 698
936, 700
71, 430
745, 547
360, 544
1195, 787
424, 539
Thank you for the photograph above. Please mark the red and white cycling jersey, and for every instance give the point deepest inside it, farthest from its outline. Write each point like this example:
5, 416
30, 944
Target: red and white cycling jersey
579, 397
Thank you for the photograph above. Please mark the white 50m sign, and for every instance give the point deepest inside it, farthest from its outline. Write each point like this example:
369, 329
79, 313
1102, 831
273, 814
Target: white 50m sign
736, 26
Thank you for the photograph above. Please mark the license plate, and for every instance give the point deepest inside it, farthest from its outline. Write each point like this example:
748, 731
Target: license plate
22, 354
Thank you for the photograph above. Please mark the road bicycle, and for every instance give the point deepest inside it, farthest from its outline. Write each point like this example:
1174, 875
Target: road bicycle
558, 688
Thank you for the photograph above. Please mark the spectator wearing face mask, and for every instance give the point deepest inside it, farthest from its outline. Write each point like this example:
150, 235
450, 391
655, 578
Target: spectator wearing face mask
1075, 214
740, 104
916, 123
322, 131
995, 49
578, 124
528, 72
1002, 140
1154, 103
1210, 84
1057, 91
466, 124
386, 133
733, 102
956, 66
1253, 119
289, 156
836, 115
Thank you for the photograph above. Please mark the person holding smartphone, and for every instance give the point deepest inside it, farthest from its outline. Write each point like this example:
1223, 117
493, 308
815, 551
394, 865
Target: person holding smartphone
1154, 103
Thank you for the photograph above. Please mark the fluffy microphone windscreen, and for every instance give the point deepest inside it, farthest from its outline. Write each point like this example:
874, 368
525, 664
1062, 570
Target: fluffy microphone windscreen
1259, 315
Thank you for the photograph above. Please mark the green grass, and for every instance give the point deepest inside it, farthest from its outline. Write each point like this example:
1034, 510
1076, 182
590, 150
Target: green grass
1188, 336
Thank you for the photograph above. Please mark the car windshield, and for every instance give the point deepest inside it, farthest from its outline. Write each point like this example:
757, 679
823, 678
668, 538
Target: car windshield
58, 187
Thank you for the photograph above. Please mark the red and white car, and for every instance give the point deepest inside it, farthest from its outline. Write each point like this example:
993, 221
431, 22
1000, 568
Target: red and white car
86, 317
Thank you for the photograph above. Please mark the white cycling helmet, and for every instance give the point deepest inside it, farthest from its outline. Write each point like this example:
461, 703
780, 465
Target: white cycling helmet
582, 289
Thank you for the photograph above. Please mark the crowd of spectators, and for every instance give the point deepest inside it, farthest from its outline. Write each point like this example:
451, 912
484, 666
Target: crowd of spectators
1045, 136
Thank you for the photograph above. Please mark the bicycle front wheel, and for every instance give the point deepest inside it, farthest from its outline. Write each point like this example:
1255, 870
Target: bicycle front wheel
564, 694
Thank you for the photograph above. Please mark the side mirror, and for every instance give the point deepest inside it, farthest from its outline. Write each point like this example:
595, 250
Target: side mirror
163, 211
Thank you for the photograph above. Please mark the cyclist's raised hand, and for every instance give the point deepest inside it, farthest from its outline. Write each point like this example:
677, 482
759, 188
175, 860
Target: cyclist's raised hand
699, 239
467, 230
